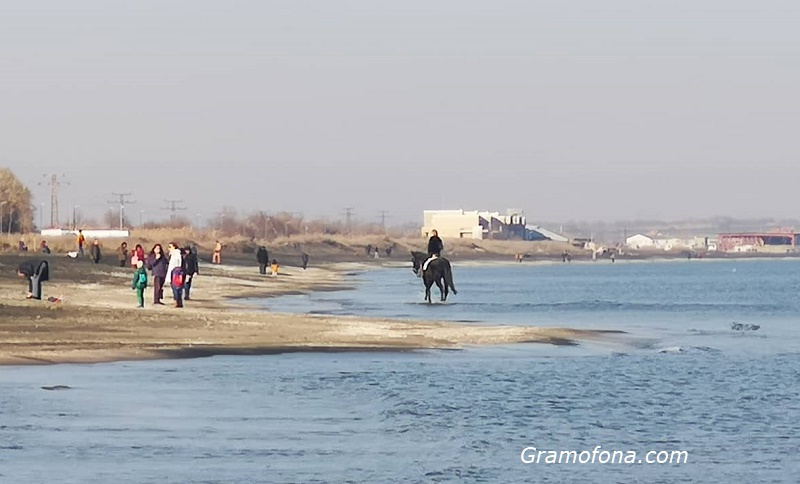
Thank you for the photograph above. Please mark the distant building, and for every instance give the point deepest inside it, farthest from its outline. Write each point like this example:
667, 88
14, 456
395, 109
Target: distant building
775, 242
639, 241
461, 224
535, 233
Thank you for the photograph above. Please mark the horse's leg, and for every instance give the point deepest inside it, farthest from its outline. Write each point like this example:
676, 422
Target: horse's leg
446, 290
441, 289
428, 290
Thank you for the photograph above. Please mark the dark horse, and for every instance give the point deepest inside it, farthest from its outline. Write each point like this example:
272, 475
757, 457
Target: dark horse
438, 271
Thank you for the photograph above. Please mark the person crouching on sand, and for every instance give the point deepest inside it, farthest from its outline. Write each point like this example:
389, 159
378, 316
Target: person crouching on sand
139, 283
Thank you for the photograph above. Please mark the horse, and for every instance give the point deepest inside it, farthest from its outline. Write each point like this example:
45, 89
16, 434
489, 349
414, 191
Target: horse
438, 271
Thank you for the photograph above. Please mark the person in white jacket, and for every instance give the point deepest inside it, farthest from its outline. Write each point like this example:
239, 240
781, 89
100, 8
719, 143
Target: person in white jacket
175, 262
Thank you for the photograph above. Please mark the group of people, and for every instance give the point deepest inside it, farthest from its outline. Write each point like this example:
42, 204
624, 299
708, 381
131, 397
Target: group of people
375, 251
262, 256
178, 268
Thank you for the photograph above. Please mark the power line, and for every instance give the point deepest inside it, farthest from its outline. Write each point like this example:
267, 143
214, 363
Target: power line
173, 208
383, 215
348, 214
122, 203
54, 183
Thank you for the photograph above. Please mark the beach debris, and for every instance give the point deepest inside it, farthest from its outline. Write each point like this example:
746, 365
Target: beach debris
57, 387
745, 326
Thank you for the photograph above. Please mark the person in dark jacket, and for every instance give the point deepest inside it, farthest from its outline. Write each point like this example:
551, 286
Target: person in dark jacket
190, 269
305, 258
435, 245
122, 254
35, 272
95, 251
157, 263
263, 259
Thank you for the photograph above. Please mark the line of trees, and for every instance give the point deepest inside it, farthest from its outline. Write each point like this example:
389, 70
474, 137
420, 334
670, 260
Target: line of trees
15, 204
269, 226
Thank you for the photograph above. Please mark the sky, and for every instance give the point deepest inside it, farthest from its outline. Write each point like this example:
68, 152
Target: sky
570, 110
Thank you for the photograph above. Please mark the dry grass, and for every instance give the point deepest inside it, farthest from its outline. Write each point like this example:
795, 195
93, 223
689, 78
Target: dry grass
315, 244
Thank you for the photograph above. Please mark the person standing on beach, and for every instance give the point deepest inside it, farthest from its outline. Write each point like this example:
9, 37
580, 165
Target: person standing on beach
157, 263
263, 259
137, 255
139, 283
81, 242
217, 257
305, 258
190, 269
175, 273
96, 253
122, 254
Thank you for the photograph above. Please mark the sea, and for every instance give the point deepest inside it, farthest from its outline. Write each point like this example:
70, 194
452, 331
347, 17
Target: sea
702, 386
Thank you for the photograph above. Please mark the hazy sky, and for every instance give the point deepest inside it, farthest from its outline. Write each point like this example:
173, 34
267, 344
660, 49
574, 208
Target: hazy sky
570, 109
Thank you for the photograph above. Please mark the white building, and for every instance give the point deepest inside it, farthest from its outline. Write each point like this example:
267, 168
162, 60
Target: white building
461, 224
639, 241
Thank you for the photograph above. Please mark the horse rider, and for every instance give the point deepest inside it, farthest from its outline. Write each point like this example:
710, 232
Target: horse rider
435, 247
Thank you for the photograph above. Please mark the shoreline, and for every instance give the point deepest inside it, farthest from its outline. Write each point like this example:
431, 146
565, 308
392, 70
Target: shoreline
96, 320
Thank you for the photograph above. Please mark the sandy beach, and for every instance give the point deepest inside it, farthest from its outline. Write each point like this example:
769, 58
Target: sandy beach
96, 319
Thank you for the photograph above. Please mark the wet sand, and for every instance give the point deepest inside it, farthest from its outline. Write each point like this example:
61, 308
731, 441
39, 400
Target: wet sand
97, 321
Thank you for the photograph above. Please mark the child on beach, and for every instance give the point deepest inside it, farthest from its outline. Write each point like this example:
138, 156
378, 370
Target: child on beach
275, 268
139, 283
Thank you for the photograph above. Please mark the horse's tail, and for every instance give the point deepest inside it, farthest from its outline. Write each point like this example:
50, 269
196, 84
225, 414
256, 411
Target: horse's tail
448, 277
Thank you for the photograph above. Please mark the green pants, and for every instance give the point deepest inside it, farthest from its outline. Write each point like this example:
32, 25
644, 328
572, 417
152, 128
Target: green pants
140, 296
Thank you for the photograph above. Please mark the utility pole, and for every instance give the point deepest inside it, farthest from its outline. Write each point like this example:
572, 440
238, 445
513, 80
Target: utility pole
54, 183
122, 203
173, 208
383, 214
348, 216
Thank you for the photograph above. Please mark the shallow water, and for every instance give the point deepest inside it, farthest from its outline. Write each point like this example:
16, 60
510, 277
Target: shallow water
729, 398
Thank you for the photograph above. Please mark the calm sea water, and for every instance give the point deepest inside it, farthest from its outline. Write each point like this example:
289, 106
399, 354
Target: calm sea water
731, 399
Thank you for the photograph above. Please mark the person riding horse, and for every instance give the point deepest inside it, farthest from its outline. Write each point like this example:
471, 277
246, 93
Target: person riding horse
435, 248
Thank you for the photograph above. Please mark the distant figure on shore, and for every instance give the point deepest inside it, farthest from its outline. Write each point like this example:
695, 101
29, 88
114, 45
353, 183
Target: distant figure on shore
368, 250
157, 263
217, 257
22, 246
137, 255
377, 253
96, 253
389, 251
191, 268
305, 257
122, 254
44, 248
275, 267
613, 257
262, 256
81, 242
35, 272
139, 283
